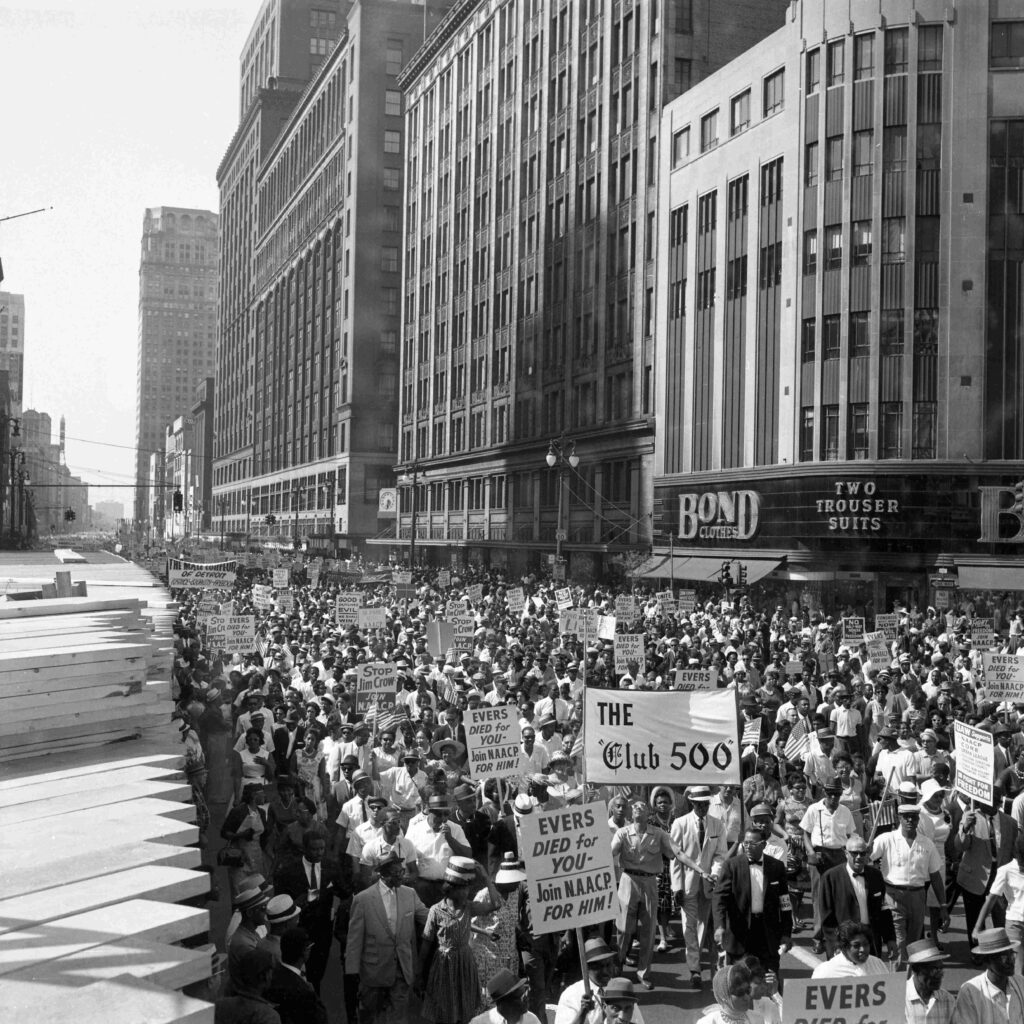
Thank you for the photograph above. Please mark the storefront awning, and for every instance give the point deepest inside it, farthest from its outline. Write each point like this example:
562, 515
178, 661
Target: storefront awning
701, 569
991, 577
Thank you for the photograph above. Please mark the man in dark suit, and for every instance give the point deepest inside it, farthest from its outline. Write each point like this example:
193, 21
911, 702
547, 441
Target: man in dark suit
750, 904
381, 946
289, 990
312, 884
855, 891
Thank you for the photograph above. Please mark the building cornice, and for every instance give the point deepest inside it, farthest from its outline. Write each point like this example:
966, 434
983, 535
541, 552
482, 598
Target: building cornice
435, 42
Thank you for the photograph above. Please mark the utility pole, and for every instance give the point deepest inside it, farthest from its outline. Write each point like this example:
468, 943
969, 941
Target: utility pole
415, 504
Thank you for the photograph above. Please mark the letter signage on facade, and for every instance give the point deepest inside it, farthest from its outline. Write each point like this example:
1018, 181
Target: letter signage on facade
719, 515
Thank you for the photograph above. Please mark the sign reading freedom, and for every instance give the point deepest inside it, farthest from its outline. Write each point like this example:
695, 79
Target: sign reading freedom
493, 738
975, 761
569, 868
670, 737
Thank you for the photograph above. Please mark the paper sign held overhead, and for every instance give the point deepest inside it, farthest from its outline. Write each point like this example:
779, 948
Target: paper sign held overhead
874, 998
629, 647
1004, 676
975, 762
493, 738
372, 618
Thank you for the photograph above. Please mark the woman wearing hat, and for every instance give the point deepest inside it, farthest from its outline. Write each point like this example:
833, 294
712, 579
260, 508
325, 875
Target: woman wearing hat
563, 783
448, 751
449, 982
494, 943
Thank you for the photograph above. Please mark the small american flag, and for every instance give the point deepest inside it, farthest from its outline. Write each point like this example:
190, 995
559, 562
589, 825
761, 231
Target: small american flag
577, 747
447, 690
879, 813
262, 645
751, 733
392, 718
798, 744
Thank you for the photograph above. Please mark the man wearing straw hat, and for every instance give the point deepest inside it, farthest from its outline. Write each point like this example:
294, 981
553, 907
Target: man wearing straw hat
927, 1002
996, 996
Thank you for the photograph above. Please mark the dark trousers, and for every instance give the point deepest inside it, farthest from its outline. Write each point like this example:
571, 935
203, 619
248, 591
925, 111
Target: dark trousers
758, 943
322, 936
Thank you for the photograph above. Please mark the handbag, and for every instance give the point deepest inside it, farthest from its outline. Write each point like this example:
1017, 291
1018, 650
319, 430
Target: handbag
230, 857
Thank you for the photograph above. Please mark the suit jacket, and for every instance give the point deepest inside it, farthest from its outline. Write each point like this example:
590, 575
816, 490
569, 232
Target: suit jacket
730, 905
295, 999
976, 862
376, 952
685, 832
839, 903
291, 879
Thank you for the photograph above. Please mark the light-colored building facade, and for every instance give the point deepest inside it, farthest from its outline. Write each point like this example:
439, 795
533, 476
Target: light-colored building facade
12, 345
530, 262
49, 490
840, 397
177, 328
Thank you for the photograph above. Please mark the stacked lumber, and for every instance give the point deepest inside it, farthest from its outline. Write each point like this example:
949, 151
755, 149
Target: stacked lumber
97, 859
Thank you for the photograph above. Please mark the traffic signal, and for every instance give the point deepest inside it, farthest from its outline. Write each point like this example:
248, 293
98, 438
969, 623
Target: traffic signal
69, 515
179, 501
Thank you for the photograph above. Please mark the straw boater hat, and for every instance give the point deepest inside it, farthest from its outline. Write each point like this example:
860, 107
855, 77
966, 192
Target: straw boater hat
701, 793
924, 951
280, 909
249, 899
511, 871
460, 871
992, 941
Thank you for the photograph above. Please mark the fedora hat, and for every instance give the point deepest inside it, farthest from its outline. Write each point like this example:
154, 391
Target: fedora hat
596, 950
504, 984
438, 803
702, 793
924, 951
280, 909
249, 899
992, 941
619, 990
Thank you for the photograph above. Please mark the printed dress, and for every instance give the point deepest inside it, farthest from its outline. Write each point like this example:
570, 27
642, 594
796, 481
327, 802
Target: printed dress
491, 955
452, 992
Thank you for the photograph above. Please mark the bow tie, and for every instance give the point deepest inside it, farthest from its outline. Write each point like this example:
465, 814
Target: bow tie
757, 862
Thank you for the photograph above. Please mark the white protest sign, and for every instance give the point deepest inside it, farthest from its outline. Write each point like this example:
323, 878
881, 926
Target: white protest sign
625, 607
879, 998
440, 638
889, 624
346, 608
285, 600
475, 593
453, 608
1004, 676
794, 668
231, 632
516, 598
444, 579
606, 627
377, 681
570, 622
982, 633
493, 738
668, 601
569, 870
878, 652
371, 618
975, 761
686, 601
942, 599
696, 679
194, 574
314, 578
629, 647
463, 632
280, 578
853, 629
563, 598
401, 576
262, 597
647, 737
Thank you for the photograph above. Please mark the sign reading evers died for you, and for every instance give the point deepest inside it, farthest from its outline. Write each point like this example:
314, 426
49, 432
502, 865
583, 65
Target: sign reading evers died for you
569, 871
1004, 676
667, 737
235, 633
878, 998
975, 762
493, 736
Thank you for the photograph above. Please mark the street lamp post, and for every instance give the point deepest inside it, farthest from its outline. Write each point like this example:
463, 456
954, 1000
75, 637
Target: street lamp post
561, 453
295, 506
221, 506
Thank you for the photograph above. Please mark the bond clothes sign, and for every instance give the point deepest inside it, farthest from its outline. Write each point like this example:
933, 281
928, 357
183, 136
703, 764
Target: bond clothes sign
1004, 676
975, 761
493, 738
719, 515
648, 737
569, 867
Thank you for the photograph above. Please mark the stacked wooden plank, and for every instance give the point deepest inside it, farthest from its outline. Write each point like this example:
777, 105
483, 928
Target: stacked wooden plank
96, 861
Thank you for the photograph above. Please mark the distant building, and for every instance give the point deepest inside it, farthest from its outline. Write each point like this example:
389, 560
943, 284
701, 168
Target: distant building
840, 398
179, 472
530, 258
107, 514
12, 345
177, 327
49, 491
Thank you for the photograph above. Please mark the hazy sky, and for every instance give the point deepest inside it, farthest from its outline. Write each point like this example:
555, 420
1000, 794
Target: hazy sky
106, 107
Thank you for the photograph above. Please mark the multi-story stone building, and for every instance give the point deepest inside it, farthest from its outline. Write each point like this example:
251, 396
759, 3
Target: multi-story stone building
840, 400
12, 345
528, 296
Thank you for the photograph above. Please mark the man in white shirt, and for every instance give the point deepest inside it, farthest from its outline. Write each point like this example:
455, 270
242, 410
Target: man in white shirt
892, 760
533, 759
377, 842
909, 863
436, 840
994, 996
552, 706
404, 786
927, 1001
574, 1007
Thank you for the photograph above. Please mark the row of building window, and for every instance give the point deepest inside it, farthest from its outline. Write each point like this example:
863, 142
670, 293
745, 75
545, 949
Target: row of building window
891, 330
858, 433
895, 60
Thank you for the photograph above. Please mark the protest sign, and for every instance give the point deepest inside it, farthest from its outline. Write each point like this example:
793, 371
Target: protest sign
878, 998
371, 618
285, 601
686, 601
401, 576
975, 761
377, 683
262, 597
668, 737
475, 593
280, 578
696, 679
982, 633
196, 574
629, 647
454, 608
516, 600
314, 578
667, 600
606, 627
878, 651
853, 629
569, 869
794, 668
440, 638
563, 598
1004, 676
444, 578
942, 599
233, 633
889, 624
463, 630
346, 608
493, 738
625, 607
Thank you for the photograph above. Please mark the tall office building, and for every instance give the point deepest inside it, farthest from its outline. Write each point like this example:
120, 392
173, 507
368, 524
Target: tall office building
177, 324
306, 403
12, 345
842, 398
528, 313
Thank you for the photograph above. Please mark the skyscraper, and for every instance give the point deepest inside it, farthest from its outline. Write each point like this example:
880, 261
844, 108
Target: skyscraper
177, 325
530, 231
12, 345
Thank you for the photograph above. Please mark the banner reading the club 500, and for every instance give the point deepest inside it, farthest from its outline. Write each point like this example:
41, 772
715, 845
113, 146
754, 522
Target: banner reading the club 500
661, 737
198, 574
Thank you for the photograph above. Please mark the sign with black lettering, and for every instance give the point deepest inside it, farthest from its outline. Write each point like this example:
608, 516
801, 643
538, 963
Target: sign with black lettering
889, 625
983, 633
569, 869
346, 608
878, 998
1004, 676
377, 684
493, 738
196, 574
654, 737
696, 679
975, 762
629, 647
853, 629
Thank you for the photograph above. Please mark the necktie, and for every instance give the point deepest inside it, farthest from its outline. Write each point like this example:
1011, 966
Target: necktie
312, 877
701, 832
